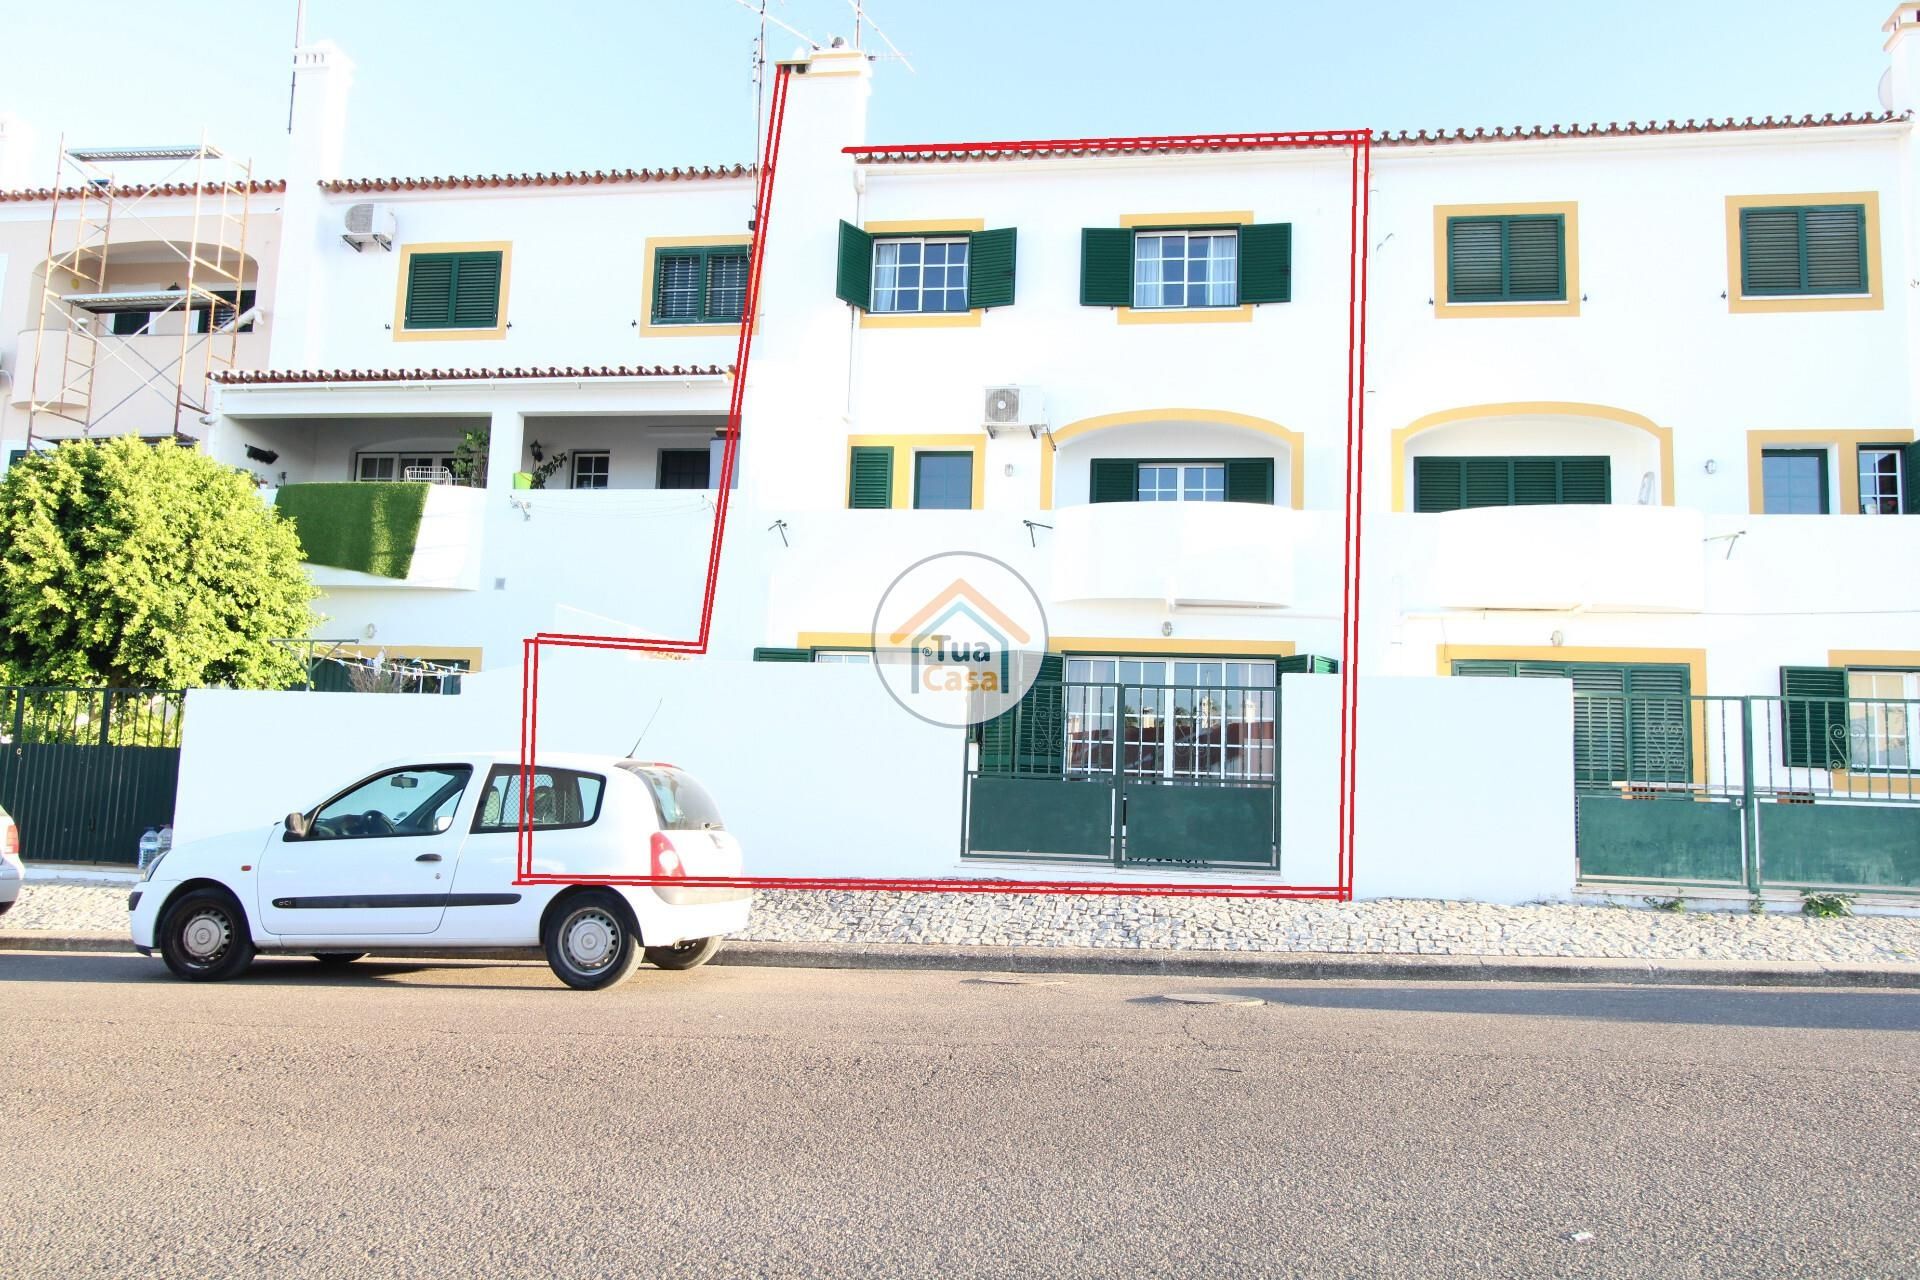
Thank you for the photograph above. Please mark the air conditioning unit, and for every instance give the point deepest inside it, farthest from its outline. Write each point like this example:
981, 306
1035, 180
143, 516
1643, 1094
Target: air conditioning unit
369, 224
1010, 407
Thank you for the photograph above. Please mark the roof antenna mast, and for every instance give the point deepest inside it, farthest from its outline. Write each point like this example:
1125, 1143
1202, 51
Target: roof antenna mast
299, 39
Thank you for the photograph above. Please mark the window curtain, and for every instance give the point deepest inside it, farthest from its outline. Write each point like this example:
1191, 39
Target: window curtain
886, 275
1147, 276
1222, 270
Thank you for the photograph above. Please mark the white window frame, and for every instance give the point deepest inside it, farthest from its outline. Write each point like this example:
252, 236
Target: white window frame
1155, 713
1191, 481
1882, 704
581, 455
1149, 271
401, 459
1899, 495
886, 297
844, 657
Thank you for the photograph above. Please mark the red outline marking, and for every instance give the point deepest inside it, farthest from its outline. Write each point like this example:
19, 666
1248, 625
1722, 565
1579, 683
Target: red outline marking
1360, 141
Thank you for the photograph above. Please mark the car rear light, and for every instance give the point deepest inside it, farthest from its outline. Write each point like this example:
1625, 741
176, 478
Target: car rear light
11, 841
666, 858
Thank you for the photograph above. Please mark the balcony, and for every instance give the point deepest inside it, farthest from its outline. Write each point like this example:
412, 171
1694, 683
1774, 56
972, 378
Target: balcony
1224, 554
369, 535
1600, 558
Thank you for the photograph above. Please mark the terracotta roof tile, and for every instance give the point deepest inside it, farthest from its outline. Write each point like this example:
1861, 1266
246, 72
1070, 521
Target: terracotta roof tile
485, 181
288, 377
1196, 144
260, 186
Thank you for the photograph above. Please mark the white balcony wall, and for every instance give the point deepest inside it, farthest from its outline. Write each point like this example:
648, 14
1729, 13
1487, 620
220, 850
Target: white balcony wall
1172, 553
1602, 558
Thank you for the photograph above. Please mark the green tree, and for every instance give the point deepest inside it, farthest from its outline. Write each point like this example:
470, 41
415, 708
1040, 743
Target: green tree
127, 564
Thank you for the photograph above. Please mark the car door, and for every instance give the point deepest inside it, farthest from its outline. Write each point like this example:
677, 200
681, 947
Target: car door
377, 860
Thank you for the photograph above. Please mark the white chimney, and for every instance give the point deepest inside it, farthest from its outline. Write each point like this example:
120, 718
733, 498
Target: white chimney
310, 223
1900, 91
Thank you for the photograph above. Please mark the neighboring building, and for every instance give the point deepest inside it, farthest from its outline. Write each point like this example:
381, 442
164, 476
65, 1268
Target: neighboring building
120, 293
1640, 402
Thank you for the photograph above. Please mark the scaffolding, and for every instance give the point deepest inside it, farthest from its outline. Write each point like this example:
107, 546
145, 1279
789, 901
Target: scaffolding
83, 320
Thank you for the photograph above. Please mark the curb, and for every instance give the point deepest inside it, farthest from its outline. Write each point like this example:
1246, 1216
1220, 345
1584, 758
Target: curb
1269, 965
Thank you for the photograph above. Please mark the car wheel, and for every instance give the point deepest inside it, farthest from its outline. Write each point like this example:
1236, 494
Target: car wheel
591, 941
6, 907
333, 959
204, 937
690, 954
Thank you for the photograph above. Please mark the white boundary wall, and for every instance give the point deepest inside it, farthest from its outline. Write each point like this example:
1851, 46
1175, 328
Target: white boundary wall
1466, 785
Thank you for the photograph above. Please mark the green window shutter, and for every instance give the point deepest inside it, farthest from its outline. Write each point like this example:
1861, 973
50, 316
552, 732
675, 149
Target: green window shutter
676, 287
1836, 248
1114, 480
1266, 262
1030, 740
1436, 484
725, 284
854, 281
1769, 251
1910, 478
1106, 266
1250, 480
990, 261
1474, 259
766, 654
1536, 259
1486, 482
1309, 662
429, 290
476, 290
1586, 480
1813, 713
1482, 667
1659, 724
1536, 482
870, 477
1507, 259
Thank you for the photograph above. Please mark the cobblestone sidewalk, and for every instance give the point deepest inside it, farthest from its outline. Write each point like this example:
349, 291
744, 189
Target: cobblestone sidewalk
1385, 927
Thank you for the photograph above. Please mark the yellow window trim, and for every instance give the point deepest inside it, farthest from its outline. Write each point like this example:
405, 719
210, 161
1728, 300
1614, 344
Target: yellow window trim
1846, 457
1875, 784
403, 334
1294, 440
916, 319
1871, 300
1694, 659
1663, 436
1241, 314
1569, 210
650, 329
905, 447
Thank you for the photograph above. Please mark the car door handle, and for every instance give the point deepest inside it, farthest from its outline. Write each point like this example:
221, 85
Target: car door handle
428, 857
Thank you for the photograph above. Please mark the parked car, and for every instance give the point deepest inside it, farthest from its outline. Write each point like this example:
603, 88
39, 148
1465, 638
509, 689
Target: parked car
12, 873
424, 855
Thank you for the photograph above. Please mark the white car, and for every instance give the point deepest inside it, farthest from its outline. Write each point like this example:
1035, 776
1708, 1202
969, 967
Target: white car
12, 873
423, 856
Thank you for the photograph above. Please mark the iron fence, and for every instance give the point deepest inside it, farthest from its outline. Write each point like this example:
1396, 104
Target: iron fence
85, 773
1194, 734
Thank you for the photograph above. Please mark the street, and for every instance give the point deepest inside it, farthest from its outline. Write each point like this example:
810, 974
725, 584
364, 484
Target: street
402, 1119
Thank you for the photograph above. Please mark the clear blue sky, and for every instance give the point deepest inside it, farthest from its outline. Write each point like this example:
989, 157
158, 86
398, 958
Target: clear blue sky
458, 86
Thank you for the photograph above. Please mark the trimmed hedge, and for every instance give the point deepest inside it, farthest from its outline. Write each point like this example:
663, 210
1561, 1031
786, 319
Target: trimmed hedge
370, 527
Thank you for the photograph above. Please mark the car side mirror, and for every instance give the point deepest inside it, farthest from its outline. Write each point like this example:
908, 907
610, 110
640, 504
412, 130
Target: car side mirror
297, 826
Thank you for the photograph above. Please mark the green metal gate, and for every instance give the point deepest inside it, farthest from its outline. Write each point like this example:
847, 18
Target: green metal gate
1753, 792
86, 772
1129, 774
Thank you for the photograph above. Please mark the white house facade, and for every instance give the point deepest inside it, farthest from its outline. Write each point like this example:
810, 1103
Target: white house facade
1640, 408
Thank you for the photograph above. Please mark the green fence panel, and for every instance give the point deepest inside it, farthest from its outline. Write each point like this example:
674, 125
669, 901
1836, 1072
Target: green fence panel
1681, 839
1200, 824
1840, 845
87, 804
1050, 817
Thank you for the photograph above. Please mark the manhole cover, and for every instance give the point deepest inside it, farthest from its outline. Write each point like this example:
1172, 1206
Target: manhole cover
1207, 997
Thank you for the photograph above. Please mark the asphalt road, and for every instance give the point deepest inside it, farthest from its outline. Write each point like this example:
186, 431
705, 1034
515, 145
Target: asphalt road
479, 1120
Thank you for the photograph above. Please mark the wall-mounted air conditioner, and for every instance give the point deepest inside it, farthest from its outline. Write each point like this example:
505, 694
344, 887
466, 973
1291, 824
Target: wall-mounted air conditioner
1008, 407
369, 224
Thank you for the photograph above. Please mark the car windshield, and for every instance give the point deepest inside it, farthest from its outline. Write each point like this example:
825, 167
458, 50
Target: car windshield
684, 804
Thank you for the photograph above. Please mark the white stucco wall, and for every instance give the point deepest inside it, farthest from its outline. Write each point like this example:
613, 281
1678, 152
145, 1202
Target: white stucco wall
1461, 791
